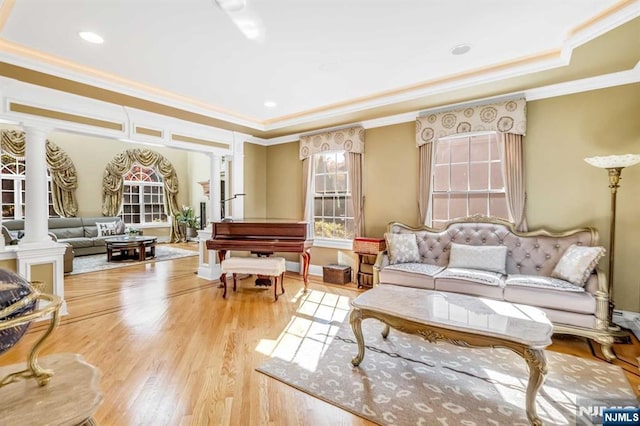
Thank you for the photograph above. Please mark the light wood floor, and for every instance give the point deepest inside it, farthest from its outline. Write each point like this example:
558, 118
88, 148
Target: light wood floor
173, 352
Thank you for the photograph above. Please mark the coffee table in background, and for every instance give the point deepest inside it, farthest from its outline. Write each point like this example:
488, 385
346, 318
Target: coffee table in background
136, 247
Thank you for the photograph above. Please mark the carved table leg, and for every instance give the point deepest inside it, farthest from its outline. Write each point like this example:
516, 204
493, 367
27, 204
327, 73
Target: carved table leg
537, 363
355, 319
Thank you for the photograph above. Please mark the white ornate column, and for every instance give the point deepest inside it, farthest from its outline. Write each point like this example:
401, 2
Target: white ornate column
208, 264
36, 254
237, 178
215, 162
36, 209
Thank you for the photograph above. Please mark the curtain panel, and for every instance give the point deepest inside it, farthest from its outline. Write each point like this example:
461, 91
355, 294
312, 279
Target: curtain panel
349, 140
513, 160
112, 184
354, 169
64, 178
425, 160
504, 117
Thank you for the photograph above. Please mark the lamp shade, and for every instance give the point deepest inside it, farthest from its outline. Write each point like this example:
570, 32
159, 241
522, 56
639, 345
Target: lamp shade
614, 161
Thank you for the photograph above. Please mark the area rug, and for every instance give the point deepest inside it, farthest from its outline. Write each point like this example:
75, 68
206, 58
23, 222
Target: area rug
404, 380
98, 262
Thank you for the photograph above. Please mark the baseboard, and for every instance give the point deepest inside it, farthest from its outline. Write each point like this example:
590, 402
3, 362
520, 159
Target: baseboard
313, 269
629, 320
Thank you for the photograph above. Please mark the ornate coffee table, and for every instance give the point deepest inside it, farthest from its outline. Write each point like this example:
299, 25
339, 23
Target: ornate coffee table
137, 247
463, 321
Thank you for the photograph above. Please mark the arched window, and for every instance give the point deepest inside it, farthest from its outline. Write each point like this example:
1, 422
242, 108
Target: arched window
12, 174
143, 196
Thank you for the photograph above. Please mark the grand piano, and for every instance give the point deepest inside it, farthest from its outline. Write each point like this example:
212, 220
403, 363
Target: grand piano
263, 237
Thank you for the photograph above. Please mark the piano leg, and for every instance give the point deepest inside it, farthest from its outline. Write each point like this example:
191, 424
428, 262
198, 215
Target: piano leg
306, 260
223, 284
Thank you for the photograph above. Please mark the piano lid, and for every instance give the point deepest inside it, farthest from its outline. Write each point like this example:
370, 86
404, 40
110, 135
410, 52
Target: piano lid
260, 229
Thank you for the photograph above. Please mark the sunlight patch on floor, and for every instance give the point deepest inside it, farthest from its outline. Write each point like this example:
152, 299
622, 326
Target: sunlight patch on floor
307, 336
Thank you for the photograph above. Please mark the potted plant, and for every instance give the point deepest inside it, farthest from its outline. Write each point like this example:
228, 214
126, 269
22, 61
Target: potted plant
188, 219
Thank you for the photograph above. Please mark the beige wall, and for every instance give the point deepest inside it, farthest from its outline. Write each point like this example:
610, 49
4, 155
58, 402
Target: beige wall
563, 191
90, 156
255, 181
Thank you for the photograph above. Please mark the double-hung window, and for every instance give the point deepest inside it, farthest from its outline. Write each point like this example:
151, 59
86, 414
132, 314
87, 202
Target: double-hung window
331, 190
14, 188
143, 196
467, 178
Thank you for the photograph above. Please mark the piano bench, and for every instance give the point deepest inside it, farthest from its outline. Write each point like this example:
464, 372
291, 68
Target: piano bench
268, 266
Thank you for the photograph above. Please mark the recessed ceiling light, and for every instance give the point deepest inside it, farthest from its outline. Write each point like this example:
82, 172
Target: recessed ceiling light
91, 37
460, 49
270, 104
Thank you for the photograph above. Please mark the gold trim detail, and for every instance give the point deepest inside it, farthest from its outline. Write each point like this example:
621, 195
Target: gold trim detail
65, 116
5, 12
148, 132
183, 138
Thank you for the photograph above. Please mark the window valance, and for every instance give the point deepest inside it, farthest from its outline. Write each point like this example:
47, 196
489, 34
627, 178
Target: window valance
64, 178
504, 117
350, 140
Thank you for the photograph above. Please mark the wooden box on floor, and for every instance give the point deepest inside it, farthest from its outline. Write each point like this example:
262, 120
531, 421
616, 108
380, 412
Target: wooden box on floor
336, 274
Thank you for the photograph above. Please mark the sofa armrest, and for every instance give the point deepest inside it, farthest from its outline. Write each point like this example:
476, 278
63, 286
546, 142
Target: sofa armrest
53, 237
382, 260
8, 239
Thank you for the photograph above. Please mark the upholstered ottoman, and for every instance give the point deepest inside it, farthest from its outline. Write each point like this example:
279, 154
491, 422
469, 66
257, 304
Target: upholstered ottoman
269, 266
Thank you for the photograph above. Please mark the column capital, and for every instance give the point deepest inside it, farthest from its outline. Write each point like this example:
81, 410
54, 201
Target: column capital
36, 131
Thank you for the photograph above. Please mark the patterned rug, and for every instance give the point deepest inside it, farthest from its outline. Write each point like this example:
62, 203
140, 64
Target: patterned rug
404, 380
98, 262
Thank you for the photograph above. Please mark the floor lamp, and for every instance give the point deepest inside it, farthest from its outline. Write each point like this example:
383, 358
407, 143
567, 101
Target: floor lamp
614, 165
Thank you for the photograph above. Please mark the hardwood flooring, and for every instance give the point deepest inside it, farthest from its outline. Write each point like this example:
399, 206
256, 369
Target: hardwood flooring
173, 352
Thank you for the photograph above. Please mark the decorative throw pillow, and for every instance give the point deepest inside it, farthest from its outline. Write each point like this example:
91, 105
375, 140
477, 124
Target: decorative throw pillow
485, 258
577, 263
106, 229
402, 248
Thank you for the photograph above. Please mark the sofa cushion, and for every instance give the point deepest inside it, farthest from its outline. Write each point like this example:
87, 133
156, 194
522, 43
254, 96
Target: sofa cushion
106, 229
486, 258
473, 275
402, 248
577, 263
538, 281
419, 275
570, 301
65, 233
77, 242
469, 281
91, 230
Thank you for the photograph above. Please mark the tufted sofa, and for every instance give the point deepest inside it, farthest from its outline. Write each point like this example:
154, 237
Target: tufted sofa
80, 233
530, 259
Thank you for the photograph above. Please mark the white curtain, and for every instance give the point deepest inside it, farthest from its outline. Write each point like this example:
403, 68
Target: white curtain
425, 158
354, 170
513, 166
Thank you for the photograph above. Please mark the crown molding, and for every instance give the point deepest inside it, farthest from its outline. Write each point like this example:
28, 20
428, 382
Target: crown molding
618, 14
576, 86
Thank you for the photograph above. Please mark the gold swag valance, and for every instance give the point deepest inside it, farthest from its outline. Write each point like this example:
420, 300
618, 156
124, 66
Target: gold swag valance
64, 178
350, 140
504, 117
112, 183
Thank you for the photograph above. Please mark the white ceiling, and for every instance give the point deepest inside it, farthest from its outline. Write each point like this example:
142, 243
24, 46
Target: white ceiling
313, 56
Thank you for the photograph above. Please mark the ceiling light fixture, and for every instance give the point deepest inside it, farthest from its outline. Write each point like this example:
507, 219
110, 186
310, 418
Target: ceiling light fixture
460, 49
270, 104
91, 37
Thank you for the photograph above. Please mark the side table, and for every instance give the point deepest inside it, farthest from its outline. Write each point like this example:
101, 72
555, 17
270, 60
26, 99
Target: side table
367, 249
70, 398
